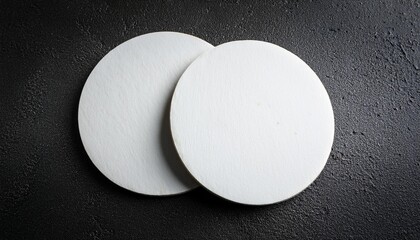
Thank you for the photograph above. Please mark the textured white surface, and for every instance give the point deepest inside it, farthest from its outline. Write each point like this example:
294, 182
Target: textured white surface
252, 122
124, 112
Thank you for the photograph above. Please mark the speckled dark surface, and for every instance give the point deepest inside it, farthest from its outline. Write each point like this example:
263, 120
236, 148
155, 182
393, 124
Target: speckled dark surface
367, 53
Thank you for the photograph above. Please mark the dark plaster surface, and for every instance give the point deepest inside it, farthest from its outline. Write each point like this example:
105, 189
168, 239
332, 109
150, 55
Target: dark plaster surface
367, 54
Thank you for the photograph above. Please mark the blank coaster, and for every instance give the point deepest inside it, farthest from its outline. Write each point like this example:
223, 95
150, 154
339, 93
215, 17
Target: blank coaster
124, 112
252, 122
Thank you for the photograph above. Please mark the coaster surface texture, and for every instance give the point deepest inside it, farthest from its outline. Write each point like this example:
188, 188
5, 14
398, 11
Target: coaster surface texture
252, 122
124, 112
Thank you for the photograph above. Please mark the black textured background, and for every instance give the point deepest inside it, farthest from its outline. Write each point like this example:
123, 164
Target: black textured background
367, 54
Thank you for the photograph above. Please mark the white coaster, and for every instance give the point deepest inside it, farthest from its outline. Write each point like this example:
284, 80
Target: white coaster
252, 122
124, 112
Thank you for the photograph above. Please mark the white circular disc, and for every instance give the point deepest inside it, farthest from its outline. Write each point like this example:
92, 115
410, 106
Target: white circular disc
124, 112
252, 122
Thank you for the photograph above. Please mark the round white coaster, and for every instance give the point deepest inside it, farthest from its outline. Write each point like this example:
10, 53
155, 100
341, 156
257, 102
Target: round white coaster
124, 112
252, 122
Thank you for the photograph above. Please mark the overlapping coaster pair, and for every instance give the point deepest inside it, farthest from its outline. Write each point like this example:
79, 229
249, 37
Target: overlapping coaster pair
166, 112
